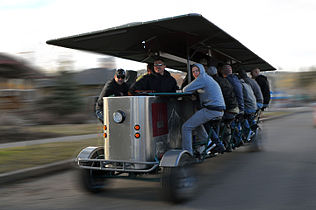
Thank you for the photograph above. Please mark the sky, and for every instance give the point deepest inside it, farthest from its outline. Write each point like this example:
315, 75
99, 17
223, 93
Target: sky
282, 32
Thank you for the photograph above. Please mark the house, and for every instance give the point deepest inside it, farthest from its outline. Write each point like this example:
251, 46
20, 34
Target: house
16, 82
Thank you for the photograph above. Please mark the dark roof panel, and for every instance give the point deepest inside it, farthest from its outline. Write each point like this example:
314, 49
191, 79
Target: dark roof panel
175, 35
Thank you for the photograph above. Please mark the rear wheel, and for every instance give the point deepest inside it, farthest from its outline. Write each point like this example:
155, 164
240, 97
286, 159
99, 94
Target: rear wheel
256, 145
179, 183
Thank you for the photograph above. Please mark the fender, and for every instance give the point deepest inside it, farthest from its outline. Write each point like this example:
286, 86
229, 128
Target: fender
171, 158
87, 152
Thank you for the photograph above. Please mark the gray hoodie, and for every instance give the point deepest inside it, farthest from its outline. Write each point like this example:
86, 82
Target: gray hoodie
254, 85
249, 97
211, 94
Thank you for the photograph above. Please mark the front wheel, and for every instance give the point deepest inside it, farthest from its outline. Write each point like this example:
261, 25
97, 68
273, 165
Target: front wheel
92, 180
179, 183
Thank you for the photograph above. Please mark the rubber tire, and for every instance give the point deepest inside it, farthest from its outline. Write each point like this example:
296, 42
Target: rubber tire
256, 145
171, 180
90, 180
93, 181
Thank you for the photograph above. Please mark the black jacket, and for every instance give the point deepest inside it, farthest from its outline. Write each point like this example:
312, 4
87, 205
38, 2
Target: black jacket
265, 88
111, 88
156, 82
227, 91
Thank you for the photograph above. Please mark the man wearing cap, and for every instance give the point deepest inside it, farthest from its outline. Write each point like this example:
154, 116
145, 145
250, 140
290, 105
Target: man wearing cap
114, 87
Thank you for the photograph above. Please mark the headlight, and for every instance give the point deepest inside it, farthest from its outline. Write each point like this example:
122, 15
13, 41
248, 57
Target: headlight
119, 116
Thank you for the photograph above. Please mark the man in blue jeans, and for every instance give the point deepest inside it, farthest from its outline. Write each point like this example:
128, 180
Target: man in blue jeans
212, 103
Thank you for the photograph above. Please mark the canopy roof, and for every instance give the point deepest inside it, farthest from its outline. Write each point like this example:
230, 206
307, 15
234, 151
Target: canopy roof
175, 39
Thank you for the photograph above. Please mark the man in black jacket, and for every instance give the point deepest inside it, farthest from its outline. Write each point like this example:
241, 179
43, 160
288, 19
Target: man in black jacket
231, 104
227, 90
159, 81
114, 87
264, 85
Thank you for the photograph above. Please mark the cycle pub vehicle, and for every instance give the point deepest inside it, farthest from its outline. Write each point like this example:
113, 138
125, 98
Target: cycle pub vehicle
142, 134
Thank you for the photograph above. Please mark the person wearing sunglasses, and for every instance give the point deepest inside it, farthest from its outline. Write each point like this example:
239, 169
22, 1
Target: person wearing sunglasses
115, 87
158, 81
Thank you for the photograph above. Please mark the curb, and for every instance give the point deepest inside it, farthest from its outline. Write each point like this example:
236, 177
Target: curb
10, 177
49, 140
285, 115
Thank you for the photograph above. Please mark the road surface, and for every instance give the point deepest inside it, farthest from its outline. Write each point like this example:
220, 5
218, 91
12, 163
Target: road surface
283, 176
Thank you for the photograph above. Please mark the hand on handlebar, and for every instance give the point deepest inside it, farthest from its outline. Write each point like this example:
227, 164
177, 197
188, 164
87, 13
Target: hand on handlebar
200, 91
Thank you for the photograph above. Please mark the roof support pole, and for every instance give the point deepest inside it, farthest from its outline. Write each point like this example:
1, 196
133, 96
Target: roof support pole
188, 66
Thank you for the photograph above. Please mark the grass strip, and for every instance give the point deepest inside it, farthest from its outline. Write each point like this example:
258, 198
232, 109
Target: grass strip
67, 129
16, 158
273, 114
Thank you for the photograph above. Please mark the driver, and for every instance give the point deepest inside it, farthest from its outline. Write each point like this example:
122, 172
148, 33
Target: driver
213, 105
158, 81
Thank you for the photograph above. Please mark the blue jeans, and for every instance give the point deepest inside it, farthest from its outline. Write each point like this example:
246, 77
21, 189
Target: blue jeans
228, 115
249, 111
196, 121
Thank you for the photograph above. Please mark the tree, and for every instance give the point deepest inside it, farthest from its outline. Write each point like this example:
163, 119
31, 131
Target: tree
307, 78
65, 98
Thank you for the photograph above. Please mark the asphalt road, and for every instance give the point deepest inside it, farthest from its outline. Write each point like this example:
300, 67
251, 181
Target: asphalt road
283, 176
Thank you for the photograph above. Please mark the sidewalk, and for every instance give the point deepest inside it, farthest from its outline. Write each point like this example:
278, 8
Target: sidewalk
286, 112
11, 177
50, 140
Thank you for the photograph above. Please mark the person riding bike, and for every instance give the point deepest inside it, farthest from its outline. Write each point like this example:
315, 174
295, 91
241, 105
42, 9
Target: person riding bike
227, 72
160, 80
254, 86
231, 105
212, 103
